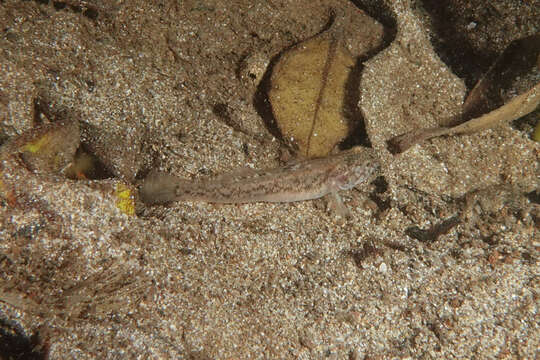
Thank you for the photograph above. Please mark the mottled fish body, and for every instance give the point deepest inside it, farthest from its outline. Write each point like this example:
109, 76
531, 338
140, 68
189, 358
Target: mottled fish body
305, 180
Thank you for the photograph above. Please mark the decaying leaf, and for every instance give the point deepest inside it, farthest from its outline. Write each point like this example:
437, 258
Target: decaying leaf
519, 106
536, 134
46, 149
515, 71
86, 166
100, 293
308, 93
515, 68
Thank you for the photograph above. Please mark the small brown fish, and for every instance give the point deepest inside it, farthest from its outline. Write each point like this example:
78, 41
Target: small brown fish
306, 180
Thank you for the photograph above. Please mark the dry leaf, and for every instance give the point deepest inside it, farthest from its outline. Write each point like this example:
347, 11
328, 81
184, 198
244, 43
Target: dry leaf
519, 106
308, 94
536, 134
516, 68
46, 149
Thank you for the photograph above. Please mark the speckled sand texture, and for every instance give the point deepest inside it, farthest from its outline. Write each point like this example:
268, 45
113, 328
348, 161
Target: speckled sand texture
438, 261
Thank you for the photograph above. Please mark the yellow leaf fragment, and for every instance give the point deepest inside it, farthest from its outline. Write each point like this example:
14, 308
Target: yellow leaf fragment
125, 201
37, 145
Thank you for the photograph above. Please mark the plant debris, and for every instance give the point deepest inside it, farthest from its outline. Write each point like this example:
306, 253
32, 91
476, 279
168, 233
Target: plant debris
536, 134
308, 93
103, 292
49, 148
521, 105
517, 63
515, 71
433, 233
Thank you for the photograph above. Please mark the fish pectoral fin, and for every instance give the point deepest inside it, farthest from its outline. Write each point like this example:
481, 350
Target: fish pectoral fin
336, 205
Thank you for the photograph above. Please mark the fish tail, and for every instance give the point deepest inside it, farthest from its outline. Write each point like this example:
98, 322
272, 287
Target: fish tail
160, 188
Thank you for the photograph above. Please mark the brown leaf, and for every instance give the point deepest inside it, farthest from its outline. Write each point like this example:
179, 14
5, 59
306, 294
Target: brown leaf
308, 93
48, 148
519, 106
517, 63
